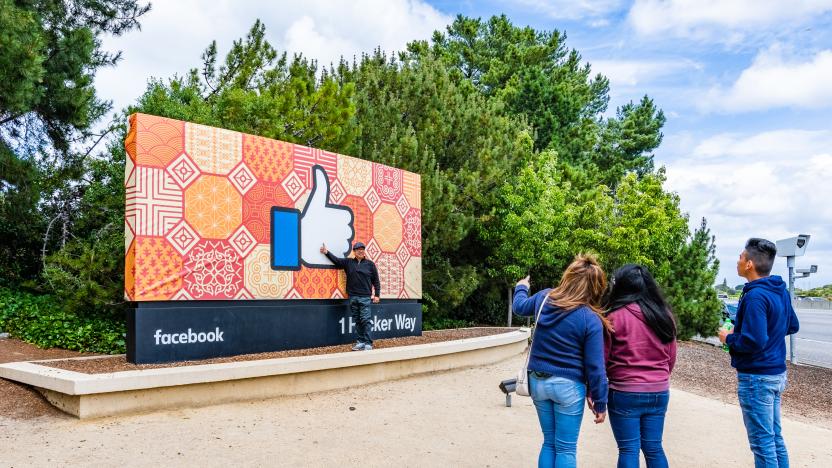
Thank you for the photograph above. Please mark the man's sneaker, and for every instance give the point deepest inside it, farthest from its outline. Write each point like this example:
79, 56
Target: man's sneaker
359, 347
368, 347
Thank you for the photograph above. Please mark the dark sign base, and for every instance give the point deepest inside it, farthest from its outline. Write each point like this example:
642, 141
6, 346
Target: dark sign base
179, 331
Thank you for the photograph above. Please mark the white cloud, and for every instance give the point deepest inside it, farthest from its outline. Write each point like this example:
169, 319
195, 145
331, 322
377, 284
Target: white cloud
575, 9
629, 73
772, 184
720, 20
774, 81
175, 33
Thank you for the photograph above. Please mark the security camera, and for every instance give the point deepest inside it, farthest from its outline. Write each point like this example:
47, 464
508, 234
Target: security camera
793, 246
808, 271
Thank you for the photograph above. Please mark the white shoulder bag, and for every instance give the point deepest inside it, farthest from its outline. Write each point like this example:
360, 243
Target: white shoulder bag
523, 376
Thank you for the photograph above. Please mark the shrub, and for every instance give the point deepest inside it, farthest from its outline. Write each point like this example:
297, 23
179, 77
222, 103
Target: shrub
444, 324
40, 320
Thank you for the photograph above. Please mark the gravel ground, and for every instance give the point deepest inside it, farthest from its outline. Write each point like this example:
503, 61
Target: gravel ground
706, 370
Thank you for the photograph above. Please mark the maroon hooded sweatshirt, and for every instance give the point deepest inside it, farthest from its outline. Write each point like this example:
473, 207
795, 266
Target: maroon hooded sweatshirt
637, 360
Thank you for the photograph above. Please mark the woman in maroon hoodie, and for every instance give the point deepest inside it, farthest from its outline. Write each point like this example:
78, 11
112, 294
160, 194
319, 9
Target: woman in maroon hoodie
640, 356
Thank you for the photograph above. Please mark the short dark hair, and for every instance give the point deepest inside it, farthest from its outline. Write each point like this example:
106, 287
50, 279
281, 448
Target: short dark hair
761, 252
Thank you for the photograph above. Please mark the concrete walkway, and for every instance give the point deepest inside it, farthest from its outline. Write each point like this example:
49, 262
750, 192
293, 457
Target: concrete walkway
448, 419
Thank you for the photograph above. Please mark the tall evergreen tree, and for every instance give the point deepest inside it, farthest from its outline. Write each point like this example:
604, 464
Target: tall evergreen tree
49, 54
689, 286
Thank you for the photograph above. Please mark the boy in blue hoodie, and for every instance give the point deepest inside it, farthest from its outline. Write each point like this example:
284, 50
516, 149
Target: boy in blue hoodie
758, 351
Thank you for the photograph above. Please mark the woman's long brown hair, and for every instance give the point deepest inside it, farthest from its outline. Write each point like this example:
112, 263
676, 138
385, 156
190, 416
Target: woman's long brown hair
583, 283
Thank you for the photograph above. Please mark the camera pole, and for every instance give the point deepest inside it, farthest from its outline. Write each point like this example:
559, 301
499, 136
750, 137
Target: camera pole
792, 341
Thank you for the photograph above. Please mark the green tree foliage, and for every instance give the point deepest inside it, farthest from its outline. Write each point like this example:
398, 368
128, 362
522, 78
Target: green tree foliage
520, 168
689, 286
724, 288
49, 54
537, 77
414, 115
822, 291
532, 72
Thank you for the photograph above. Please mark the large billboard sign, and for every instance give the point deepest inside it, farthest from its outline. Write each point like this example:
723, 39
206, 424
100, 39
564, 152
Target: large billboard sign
214, 214
222, 238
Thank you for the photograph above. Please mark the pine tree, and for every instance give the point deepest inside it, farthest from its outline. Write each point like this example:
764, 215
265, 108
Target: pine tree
690, 285
49, 54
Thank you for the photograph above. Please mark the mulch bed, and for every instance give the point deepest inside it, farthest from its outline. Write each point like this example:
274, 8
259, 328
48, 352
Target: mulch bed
706, 370
120, 364
21, 401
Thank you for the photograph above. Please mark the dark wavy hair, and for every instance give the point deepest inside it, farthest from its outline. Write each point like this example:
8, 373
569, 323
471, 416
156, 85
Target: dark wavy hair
633, 283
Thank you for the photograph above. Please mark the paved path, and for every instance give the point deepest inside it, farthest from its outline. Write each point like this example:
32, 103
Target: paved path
446, 419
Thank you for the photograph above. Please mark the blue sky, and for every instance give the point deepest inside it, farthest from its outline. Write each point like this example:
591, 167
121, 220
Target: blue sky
746, 86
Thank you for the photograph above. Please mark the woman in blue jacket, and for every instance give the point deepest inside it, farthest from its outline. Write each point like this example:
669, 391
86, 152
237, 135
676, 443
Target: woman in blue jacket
567, 356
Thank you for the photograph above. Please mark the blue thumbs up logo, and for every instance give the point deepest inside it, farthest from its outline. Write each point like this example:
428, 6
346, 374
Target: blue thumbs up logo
296, 236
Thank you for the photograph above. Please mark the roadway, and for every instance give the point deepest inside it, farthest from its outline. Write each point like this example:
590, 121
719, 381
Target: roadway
814, 340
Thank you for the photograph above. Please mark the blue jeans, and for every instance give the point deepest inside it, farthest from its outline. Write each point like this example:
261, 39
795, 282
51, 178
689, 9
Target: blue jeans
637, 421
560, 408
759, 397
360, 309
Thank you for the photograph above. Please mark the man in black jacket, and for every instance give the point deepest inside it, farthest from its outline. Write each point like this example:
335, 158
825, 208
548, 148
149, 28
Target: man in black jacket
362, 275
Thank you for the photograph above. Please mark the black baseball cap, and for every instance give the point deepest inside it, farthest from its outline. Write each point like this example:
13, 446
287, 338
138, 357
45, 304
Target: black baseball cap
358, 245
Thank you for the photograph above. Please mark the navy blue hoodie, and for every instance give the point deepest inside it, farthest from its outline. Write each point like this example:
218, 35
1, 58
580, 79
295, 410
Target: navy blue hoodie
567, 344
764, 317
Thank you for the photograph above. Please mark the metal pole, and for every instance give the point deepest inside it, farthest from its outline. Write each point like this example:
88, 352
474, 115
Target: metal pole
510, 312
790, 264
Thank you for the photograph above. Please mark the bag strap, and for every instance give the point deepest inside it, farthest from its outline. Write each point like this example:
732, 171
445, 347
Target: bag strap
529, 351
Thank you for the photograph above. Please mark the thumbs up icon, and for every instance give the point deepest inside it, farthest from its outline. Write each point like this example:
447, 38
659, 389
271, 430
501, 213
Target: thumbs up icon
296, 236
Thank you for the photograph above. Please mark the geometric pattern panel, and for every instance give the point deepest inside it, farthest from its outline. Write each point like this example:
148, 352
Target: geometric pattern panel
213, 207
261, 280
257, 208
269, 160
214, 150
214, 270
413, 189
158, 269
413, 278
391, 274
355, 174
183, 170
362, 218
182, 237
388, 182
315, 283
158, 140
242, 241
154, 203
242, 178
198, 210
413, 232
306, 157
387, 228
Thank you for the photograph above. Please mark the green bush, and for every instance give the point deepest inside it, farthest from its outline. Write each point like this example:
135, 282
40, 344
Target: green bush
40, 320
444, 324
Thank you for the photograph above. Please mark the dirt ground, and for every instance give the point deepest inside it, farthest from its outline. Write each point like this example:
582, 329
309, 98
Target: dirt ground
706, 370
20, 401
453, 418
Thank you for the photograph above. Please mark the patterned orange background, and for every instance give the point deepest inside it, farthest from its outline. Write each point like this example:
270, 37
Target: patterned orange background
198, 210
